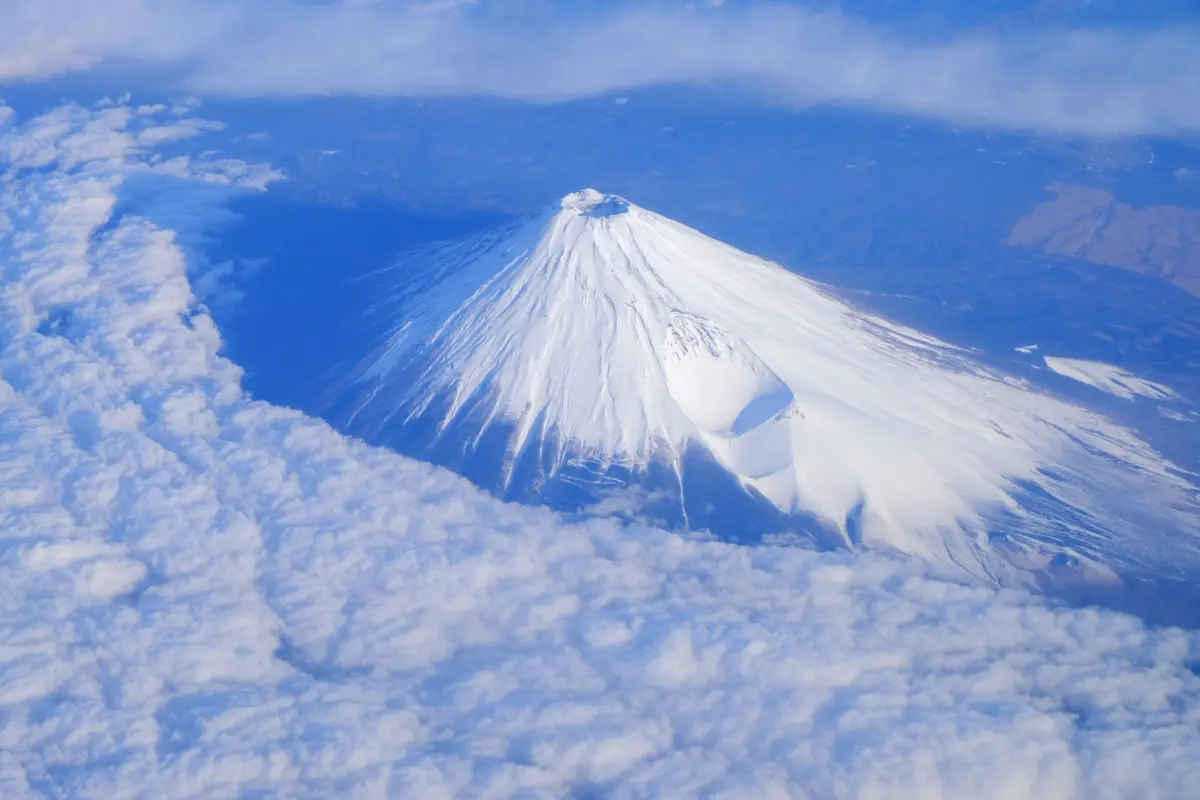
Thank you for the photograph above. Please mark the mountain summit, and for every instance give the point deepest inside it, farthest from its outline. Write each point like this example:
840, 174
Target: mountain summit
597, 344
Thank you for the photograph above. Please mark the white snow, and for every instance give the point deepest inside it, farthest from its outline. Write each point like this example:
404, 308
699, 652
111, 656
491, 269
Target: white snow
206, 596
1108, 378
735, 401
618, 335
719, 383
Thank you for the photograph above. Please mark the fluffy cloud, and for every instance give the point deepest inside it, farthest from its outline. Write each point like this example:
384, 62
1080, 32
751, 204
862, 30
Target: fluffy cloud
203, 595
1105, 82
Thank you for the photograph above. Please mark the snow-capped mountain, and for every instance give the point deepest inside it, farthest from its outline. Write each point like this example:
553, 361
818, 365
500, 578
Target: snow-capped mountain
598, 344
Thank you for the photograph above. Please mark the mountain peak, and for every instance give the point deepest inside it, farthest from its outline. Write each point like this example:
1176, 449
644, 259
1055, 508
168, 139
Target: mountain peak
627, 342
591, 203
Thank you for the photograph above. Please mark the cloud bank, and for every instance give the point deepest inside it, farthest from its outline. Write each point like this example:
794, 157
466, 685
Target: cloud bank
1086, 82
204, 595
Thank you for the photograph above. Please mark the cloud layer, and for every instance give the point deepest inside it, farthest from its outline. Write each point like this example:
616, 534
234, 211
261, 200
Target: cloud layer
203, 595
1092, 82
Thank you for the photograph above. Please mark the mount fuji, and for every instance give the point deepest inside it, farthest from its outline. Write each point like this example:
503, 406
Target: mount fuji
598, 356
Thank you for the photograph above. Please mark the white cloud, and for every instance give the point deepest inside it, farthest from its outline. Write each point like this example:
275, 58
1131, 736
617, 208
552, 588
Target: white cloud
203, 595
1106, 82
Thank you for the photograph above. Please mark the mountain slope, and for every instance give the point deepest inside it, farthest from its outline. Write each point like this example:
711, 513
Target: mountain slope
600, 335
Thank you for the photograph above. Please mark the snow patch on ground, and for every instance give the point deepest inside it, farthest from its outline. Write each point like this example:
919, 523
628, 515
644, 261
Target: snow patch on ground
1108, 378
207, 596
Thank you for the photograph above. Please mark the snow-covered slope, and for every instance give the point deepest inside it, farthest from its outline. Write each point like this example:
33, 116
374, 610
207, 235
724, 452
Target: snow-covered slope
601, 333
1108, 378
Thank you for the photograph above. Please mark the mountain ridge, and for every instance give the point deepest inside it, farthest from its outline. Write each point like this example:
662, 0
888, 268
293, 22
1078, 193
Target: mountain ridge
605, 338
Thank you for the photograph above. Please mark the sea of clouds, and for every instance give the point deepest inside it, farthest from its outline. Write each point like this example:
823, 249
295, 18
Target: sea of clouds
202, 595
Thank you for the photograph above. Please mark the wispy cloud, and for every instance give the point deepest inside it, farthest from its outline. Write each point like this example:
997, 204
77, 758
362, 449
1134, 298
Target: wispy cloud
1093, 82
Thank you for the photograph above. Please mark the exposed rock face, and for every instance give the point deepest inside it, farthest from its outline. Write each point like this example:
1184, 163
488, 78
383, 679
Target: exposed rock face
1093, 225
